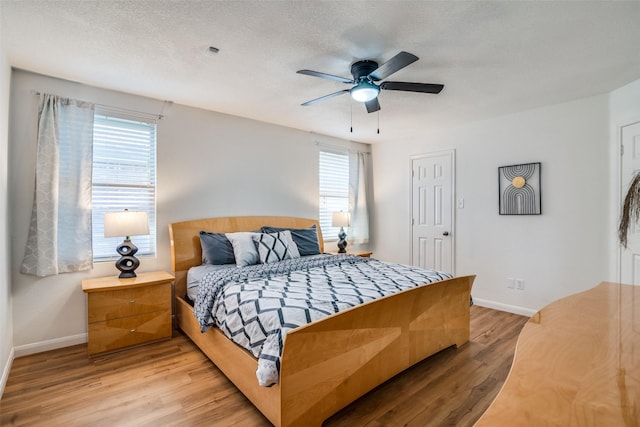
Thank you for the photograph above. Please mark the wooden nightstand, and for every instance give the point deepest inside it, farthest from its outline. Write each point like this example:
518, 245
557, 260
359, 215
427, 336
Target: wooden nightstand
127, 312
363, 254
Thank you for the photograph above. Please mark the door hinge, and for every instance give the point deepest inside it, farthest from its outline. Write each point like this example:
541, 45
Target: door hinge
413, 221
622, 150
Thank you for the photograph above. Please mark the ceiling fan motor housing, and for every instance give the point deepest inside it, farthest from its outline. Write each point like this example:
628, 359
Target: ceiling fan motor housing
362, 69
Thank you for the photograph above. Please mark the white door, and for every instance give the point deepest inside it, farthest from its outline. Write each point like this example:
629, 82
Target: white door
432, 193
630, 257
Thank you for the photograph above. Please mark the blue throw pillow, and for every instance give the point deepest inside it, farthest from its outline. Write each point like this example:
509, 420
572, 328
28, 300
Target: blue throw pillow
305, 238
216, 249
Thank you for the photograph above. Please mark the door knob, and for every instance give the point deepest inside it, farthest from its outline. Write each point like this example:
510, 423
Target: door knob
446, 233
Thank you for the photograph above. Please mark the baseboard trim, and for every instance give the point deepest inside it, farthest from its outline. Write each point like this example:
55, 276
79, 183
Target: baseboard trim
39, 347
5, 372
504, 307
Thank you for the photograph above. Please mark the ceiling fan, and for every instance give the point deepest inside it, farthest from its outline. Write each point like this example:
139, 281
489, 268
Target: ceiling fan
365, 75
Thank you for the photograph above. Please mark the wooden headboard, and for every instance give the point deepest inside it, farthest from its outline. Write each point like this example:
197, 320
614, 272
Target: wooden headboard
186, 251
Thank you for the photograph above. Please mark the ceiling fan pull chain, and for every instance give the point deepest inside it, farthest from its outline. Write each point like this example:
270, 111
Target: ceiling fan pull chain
351, 106
378, 122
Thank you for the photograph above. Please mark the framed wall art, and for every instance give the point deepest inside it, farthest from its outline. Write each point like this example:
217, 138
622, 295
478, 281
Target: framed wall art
519, 191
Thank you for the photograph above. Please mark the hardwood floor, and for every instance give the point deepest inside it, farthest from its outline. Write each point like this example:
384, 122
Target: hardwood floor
172, 383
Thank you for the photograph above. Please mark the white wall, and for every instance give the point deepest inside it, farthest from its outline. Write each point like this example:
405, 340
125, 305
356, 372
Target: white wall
625, 104
6, 327
562, 251
209, 164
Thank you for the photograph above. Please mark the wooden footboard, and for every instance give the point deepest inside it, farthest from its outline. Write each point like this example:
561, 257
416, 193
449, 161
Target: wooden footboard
329, 363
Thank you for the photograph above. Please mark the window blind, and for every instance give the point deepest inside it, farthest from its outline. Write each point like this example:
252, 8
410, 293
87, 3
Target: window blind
124, 176
334, 189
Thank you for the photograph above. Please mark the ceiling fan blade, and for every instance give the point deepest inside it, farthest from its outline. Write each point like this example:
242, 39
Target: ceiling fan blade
323, 98
373, 105
412, 87
396, 63
325, 76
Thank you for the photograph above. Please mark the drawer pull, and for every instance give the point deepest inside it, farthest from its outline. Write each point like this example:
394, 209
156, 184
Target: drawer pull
132, 301
132, 330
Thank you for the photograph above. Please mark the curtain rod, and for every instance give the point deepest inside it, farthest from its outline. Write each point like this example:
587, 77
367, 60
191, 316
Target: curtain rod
340, 147
121, 109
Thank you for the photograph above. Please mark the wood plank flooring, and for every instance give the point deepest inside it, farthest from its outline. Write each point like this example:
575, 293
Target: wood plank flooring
172, 383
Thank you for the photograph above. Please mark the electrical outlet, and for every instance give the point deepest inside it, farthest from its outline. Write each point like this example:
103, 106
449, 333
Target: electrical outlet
460, 203
511, 282
520, 284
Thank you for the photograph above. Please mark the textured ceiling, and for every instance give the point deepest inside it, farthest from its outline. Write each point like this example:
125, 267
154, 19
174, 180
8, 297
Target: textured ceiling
494, 57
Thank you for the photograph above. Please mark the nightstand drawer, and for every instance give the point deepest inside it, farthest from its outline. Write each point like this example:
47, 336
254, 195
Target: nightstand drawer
114, 304
128, 331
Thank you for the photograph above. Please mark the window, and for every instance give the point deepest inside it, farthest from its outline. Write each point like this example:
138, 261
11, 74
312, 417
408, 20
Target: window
124, 176
334, 189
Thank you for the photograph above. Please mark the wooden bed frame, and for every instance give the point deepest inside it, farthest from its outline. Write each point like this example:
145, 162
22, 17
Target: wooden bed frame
329, 363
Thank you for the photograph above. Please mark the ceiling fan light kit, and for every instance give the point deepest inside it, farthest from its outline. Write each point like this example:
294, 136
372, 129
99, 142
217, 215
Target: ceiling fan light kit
364, 91
365, 73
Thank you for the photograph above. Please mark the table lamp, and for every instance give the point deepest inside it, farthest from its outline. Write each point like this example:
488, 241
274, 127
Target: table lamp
341, 219
127, 224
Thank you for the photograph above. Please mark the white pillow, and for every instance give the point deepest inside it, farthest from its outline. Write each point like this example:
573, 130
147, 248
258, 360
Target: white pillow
273, 247
244, 248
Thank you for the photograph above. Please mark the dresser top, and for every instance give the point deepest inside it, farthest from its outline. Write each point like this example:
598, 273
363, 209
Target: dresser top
577, 363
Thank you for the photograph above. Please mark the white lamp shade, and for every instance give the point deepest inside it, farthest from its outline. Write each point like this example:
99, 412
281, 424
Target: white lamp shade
126, 223
341, 219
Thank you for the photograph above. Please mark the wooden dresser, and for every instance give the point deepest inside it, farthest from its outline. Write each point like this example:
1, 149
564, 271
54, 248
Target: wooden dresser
577, 363
127, 312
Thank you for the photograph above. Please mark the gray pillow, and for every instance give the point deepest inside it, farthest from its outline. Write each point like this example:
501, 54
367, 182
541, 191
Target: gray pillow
216, 249
244, 248
305, 238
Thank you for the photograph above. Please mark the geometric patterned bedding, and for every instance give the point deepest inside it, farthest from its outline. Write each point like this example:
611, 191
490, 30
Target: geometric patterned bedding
256, 306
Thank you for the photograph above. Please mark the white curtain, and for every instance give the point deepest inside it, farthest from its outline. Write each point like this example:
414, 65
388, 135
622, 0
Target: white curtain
358, 203
59, 238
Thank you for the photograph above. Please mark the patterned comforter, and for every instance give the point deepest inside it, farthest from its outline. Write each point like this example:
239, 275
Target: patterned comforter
256, 306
